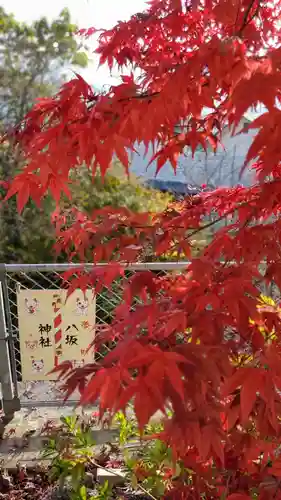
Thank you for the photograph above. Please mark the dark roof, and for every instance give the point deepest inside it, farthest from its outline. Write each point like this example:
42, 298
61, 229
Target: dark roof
174, 187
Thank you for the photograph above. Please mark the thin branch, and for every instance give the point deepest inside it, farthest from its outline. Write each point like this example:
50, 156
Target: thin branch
246, 21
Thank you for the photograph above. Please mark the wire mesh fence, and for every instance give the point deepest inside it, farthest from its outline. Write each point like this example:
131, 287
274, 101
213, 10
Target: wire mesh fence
49, 277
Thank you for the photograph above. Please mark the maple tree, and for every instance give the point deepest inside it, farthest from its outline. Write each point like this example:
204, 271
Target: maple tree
189, 345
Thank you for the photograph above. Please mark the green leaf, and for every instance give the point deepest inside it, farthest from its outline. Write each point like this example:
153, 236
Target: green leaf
84, 438
77, 474
83, 493
70, 422
80, 59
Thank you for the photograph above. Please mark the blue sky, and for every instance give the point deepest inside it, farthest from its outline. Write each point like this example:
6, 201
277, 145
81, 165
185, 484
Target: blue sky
85, 13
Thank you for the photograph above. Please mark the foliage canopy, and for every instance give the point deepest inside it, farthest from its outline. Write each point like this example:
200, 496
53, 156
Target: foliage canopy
189, 344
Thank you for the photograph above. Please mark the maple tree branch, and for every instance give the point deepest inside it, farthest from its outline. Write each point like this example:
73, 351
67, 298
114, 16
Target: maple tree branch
139, 96
212, 223
246, 21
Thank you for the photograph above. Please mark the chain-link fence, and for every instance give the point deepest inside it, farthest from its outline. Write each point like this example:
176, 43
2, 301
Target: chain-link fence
49, 277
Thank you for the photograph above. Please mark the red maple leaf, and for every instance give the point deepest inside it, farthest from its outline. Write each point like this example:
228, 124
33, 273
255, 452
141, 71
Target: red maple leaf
181, 342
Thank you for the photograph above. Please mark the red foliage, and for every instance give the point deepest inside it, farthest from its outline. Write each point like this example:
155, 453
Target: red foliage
172, 349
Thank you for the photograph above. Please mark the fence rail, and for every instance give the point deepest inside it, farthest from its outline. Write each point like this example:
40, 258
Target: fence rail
137, 266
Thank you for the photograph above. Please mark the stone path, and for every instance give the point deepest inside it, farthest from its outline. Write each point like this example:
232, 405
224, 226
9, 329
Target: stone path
42, 402
39, 393
23, 442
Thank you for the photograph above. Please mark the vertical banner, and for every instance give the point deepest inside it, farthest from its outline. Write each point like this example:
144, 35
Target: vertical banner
53, 329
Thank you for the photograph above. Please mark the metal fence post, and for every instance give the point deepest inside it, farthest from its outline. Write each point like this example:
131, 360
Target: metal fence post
10, 402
